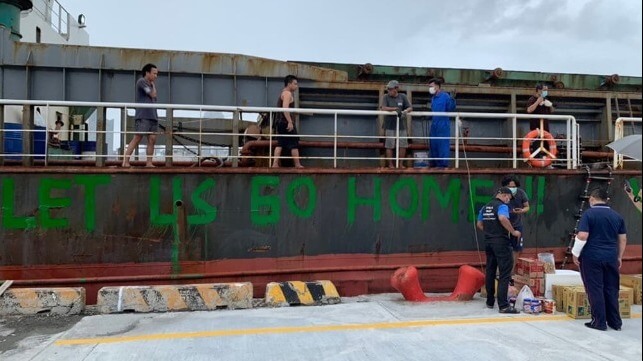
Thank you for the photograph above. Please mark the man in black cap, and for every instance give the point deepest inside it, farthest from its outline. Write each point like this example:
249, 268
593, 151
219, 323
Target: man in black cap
395, 101
493, 220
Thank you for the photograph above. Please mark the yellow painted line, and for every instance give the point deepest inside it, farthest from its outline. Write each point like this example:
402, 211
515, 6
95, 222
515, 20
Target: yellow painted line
306, 329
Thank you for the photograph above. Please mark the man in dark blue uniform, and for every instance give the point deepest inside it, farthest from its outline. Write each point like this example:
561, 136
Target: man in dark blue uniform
493, 219
598, 251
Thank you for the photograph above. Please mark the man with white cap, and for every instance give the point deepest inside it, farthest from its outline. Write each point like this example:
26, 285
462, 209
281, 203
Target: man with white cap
395, 101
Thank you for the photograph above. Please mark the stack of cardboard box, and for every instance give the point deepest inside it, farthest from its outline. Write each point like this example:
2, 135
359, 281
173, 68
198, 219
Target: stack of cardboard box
633, 281
530, 272
573, 301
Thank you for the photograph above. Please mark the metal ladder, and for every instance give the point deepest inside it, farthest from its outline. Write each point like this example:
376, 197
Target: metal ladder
590, 180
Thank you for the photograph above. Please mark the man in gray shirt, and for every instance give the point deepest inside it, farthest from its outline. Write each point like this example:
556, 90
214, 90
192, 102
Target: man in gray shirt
146, 119
397, 102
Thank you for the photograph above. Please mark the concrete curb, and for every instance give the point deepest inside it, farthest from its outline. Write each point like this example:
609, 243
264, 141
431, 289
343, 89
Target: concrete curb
64, 301
295, 293
196, 297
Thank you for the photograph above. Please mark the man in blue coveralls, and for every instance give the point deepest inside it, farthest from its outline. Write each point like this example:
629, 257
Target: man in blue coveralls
440, 125
598, 251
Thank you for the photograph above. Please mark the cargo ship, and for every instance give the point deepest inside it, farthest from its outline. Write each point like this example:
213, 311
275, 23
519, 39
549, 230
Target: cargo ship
214, 210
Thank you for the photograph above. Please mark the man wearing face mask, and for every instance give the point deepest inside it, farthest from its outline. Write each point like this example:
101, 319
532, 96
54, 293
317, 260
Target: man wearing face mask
598, 251
518, 205
493, 220
539, 104
440, 130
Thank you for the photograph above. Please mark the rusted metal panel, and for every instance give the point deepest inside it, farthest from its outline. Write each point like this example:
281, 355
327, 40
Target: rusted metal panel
86, 57
95, 218
493, 77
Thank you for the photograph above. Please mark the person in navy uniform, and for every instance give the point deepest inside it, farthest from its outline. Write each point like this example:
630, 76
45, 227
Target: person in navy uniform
493, 220
598, 251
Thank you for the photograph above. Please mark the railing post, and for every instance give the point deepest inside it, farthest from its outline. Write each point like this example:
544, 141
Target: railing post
235, 138
457, 141
335, 143
198, 146
397, 143
618, 134
100, 137
123, 135
169, 137
47, 135
514, 141
577, 153
568, 131
27, 135
1, 134
270, 130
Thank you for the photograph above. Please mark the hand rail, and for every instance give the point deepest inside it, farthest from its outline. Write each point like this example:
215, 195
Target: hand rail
571, 126
618, 134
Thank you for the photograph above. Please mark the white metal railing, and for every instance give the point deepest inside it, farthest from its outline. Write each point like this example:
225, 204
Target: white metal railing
571, 160
619, 131
55, 15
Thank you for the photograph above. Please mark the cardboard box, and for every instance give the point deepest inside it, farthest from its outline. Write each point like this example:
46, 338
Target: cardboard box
530, 268
558, 296
625, 298
537, 285
561, 277
633, 281
626, 293
577, 305
483, 290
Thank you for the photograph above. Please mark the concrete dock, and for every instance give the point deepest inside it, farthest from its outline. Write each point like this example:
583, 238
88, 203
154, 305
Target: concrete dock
374, 327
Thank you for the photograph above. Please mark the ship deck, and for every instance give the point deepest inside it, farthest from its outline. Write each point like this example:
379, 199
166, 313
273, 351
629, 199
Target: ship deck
380, 327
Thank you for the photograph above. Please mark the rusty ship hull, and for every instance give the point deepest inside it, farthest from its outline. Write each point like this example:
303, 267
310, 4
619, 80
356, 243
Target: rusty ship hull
98, 227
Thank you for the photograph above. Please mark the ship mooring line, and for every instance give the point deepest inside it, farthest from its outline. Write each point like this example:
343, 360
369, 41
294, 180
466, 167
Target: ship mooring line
310, 329
466, 162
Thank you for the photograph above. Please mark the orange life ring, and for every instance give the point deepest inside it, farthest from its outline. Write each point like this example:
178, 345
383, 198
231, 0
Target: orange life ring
549, 155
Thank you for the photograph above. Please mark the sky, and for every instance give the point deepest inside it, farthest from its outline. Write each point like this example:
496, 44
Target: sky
553, 36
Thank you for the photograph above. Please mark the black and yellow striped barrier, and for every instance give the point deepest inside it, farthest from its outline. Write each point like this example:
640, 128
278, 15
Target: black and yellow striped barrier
295, 293
196, 297
62, 301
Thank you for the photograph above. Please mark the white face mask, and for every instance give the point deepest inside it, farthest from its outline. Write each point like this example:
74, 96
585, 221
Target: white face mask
432, 90
513, 190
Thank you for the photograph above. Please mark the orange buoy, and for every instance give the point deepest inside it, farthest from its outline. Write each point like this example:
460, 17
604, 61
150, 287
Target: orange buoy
549, 155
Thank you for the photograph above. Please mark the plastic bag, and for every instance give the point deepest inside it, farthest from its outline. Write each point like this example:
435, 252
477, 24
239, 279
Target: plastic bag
548, 262
525, 293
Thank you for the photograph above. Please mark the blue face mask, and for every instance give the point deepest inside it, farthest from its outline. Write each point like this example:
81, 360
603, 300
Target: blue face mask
544, 93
